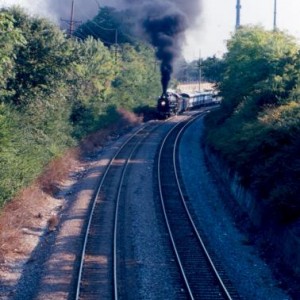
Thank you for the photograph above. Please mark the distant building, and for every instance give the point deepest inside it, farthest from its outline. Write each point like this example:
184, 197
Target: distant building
192, 87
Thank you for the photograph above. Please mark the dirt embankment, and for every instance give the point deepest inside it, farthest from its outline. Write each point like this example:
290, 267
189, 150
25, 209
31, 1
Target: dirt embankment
35, 210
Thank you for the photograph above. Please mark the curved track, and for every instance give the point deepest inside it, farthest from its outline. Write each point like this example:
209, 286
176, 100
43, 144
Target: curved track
200, 276
101, 272
98, 271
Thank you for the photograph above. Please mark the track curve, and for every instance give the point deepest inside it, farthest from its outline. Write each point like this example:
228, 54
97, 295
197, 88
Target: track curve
200, 276
97, 276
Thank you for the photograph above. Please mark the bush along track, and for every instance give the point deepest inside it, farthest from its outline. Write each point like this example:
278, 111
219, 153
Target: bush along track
55, 91
255, 135
257, 128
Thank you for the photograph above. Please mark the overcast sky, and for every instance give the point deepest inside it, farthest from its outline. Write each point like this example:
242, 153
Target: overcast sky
215, 24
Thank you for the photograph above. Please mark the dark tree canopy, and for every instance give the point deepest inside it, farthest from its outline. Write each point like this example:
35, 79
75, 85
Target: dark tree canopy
109, 26
55, 90
257, 128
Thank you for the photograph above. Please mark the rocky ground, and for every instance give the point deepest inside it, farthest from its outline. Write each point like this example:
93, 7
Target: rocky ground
40, 229
250, 274
44, 248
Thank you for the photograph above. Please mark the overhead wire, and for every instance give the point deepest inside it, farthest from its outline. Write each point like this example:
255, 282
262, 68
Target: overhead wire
92, 21
100, 27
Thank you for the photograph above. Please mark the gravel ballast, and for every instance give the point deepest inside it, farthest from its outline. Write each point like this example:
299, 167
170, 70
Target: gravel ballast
250, 274
50, 271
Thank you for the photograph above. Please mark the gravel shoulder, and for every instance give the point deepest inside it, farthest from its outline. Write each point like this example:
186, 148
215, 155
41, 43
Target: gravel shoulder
47, 270
150, 245
250, 274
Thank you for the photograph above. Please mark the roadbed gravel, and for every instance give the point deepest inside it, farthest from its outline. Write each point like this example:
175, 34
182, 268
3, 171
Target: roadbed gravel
251, 276
49, 272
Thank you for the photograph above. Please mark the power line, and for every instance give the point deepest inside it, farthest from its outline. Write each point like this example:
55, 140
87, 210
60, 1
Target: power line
71, 22
92, 22
102, 28
96, 35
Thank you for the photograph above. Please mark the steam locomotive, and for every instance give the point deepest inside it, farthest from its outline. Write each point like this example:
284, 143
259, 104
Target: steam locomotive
171, 103
168, 104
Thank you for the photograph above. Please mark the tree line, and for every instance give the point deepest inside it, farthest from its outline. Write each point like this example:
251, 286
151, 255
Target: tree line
55, 90
257, 128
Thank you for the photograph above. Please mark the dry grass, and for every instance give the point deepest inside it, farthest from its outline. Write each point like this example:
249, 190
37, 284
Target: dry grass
129, 118
97, 139
32, 208
53, 222
20, 213
58, 170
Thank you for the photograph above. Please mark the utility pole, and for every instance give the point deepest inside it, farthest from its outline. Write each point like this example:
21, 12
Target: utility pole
71, 22
97, 2
116, 45
238, 14
275, 16
199, 71
72, 19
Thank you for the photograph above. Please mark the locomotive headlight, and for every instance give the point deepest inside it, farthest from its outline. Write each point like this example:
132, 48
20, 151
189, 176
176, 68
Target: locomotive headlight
163, 103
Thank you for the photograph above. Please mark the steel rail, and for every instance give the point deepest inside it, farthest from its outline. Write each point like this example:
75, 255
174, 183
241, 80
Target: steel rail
165, 214
212, 265
223, 288
117, 210
94, 200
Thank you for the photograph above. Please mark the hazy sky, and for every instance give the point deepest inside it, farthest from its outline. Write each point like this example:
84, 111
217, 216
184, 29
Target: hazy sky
215, 24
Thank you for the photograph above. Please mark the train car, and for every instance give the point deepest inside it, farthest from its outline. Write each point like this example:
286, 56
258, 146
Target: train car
188, 100
199, 99
169, 104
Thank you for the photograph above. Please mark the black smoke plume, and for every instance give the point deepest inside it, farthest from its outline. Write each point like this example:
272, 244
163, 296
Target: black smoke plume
165, 22
162, 22
166, 36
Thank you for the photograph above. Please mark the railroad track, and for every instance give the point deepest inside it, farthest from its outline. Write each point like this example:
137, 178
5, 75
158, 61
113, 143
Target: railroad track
198, 272
98, 275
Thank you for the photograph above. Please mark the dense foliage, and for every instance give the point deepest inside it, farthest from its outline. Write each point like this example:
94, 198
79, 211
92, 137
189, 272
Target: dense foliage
55, 90
257, 129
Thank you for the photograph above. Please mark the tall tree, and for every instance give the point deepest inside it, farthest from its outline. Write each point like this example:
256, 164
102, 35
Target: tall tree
90, 84
257, 128
42, 64
10, 38
261, 64
109, 26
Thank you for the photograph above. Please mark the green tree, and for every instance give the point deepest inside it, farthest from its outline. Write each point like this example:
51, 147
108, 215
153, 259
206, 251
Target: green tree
187, 72
260, 64
90, 85
109, 26
257, 128
10, 38
213, 69
35, 111
40, 66
137, 82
